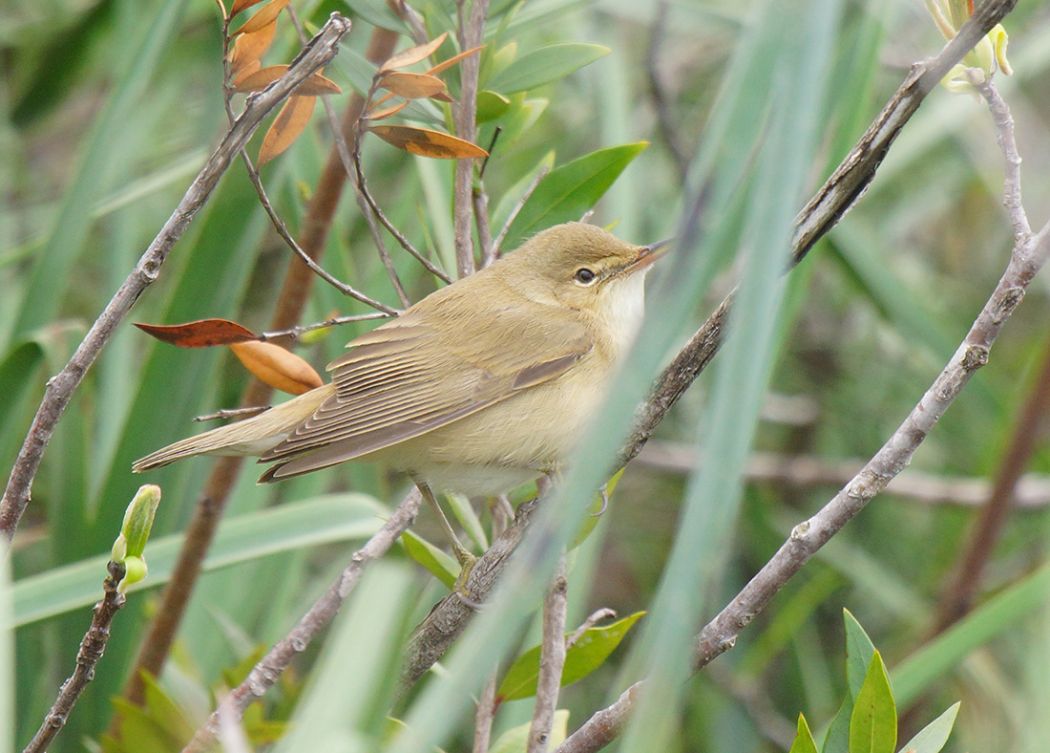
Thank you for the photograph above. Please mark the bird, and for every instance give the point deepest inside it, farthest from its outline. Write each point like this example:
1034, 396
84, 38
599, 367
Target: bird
479, 387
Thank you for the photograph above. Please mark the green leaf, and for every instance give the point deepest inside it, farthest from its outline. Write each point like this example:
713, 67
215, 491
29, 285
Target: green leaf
464, 513
491, 105
873, 723
440, 564
567, 192
377, 14
589, 653
545, 65
804, 742
299, 525
837, 738
859, 650
934, 735
516, 739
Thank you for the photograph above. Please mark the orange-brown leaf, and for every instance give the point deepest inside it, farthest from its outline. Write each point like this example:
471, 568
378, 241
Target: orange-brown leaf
240, 5
266, 16
277, 367
248, 50
413, 54
199, 334
444, 65
314, 86
412, 85
386, 112
287, 126
427, 143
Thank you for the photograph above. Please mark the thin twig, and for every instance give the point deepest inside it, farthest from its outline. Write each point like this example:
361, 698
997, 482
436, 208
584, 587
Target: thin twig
266, 672
61, 387
552, 661
1031, 492
471, 33
343, 149
92, 647
484, 715
497, 244
593, 619
294, 333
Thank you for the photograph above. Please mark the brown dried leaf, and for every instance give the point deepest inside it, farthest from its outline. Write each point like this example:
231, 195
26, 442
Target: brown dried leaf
199, 334
427, 143
266, 16
314, 86
277, 367
413, 85
239, 5
287, 126
444, 65
386, 112
248, 50
413, 54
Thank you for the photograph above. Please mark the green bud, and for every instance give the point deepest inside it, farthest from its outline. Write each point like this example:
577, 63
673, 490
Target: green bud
138, 520
135, 570
987, 56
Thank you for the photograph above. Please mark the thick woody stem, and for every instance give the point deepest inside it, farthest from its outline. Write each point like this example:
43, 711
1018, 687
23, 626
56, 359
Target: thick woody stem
60, 388
470, 35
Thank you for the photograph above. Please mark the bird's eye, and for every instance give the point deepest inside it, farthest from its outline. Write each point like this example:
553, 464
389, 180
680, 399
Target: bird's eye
585, 276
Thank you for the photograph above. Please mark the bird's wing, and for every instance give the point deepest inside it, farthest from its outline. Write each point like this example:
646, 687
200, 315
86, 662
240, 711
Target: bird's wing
407, 378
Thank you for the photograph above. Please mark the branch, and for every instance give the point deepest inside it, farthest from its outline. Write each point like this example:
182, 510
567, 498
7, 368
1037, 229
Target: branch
470, 35
61, 387
92, 647
449, 617
659, 95
552, 661
266, 672
1030, 492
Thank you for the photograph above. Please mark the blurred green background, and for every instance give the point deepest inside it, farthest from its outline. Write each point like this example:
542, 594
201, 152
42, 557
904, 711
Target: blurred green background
108, 110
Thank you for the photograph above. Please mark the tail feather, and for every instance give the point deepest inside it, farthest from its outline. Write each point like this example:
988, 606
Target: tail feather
252, 436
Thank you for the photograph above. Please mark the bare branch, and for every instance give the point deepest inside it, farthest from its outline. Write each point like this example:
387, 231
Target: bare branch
593, 619
484, 715
60, 388
552, 661
294, 333
494, 252
92, 647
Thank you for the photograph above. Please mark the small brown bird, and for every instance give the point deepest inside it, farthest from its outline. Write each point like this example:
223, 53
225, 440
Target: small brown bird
479, 387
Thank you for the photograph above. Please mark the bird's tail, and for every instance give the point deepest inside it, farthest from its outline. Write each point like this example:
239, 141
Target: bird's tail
252, 436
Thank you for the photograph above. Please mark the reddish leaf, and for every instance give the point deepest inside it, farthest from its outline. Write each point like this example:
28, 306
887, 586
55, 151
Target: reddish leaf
444, 65
263, 18
290, 122
413, 54
248, 50
277, 367
386, 112
313, 86
240, 5
199, 334
427, 143
412, 85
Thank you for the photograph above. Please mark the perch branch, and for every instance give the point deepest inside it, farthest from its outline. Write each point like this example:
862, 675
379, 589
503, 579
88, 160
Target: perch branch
552, 661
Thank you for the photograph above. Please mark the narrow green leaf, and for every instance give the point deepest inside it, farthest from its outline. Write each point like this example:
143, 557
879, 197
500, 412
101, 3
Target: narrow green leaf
491, 105
859, 650
516, 739
438, 563
377, 14
567, 192
873, 723
464, 513
545, 65
594, 516
246, 537
837, 738
804, 742
589, 653
934, 735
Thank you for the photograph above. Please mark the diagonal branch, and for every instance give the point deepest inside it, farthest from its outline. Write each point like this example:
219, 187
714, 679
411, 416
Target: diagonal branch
60, 388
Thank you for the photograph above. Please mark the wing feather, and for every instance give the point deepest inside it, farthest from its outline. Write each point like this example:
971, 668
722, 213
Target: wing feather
405, 379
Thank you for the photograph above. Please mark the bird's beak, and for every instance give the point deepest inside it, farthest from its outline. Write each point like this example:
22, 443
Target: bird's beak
649, 254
